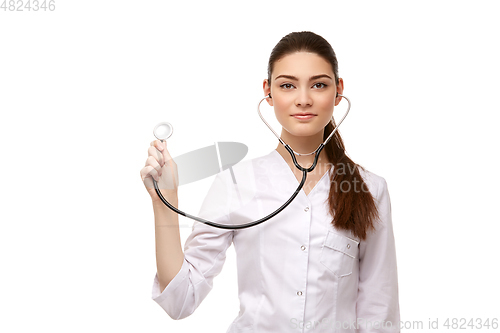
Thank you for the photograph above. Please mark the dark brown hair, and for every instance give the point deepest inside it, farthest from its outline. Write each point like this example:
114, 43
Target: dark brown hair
351, 204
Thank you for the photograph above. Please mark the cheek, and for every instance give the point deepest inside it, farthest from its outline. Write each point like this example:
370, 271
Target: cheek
280, 109
327, 103
280, 116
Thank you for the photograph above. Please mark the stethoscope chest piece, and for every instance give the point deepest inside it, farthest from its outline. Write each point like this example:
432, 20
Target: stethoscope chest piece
163, 130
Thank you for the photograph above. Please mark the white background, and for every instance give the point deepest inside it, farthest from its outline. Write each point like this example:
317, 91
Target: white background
82, 87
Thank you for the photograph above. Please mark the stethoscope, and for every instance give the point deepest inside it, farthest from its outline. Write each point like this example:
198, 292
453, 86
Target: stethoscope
164, 130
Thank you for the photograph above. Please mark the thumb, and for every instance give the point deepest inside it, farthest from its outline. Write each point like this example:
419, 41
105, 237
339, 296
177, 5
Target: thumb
166, 154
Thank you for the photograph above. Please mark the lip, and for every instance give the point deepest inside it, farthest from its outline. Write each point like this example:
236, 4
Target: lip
303, 116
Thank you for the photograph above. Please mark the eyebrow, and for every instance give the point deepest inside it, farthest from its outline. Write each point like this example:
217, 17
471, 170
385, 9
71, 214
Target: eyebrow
291, 77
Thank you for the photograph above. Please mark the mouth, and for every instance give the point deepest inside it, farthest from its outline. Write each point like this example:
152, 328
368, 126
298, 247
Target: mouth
305, 115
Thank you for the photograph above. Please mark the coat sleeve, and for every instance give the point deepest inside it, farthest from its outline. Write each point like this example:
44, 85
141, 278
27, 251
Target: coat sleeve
204, 257
377, 304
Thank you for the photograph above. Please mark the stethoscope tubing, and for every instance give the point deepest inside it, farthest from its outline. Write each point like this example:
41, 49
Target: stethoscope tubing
240, 226
277, 211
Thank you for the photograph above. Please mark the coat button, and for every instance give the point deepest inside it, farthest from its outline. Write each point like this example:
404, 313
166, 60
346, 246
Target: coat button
303, 248
306, 209
299, 293
348, 246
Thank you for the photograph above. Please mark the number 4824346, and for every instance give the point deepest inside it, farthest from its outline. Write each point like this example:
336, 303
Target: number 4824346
474, 323
28, 5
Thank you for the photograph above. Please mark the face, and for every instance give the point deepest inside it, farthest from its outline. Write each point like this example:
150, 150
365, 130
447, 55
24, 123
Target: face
303, 93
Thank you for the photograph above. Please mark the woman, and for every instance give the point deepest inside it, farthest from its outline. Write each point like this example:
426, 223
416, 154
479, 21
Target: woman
327, 262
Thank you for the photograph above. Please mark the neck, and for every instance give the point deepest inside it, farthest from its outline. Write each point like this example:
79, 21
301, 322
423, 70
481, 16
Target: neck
302, 145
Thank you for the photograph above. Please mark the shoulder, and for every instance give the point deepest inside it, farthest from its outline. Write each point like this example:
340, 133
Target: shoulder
375, 183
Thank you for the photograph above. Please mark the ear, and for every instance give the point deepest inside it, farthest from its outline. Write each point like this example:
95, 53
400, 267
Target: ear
267, 91
340, 91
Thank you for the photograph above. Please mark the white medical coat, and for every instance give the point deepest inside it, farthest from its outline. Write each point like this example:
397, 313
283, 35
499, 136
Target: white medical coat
296, 272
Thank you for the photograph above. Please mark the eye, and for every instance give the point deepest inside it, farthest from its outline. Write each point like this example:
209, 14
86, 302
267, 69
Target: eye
287, 86
322, 85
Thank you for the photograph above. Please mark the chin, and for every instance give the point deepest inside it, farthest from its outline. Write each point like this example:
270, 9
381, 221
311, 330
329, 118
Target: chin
305, 132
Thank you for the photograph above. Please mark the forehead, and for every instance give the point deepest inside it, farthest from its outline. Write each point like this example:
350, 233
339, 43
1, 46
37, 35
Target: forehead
302, 63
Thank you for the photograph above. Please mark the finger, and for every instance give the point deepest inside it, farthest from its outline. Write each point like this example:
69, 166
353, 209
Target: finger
144, 172
165, 153
151, 161
155, 142
158, 144
149, 171
161, 150
162, 147
157, 155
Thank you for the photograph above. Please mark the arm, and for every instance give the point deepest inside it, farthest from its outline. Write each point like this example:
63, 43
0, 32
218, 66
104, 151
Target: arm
203, 259
169, 255
161, 167
377, 300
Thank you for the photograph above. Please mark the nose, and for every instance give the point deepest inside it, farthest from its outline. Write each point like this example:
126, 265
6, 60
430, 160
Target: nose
303, 99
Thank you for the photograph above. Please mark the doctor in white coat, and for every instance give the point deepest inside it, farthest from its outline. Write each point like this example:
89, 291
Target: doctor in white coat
327, 262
